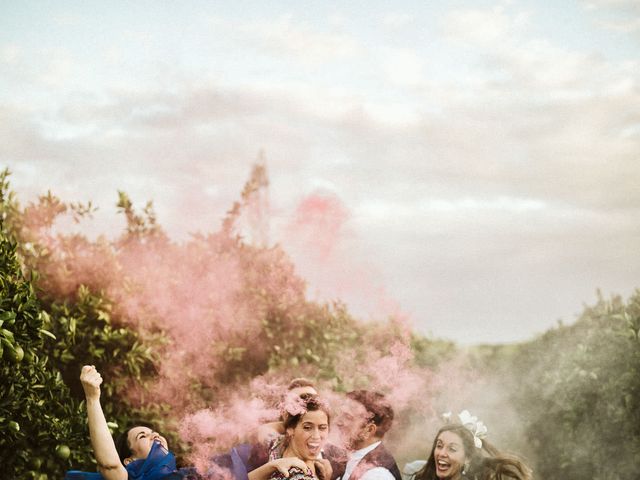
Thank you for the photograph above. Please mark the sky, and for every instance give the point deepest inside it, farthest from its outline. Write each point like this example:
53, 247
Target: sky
470, 165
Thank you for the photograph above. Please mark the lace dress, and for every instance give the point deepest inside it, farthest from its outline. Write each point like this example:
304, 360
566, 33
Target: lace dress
275, 452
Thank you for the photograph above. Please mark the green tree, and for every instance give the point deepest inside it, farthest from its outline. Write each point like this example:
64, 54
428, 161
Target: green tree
51, 325
38, 416
578, 388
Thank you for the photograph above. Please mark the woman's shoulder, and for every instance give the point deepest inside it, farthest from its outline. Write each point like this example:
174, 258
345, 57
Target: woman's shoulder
410, 469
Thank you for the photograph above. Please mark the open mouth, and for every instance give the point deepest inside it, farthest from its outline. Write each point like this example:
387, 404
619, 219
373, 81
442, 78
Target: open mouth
442, 465
314, 448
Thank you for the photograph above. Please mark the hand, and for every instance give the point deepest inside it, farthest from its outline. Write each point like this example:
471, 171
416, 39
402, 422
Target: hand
91, 380
266, 433
283, 465
323, 469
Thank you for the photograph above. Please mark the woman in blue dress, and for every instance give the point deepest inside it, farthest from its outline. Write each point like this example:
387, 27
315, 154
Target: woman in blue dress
141, 454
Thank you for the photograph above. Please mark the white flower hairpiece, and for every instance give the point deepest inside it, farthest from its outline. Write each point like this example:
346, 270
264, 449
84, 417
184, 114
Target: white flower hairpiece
471, 423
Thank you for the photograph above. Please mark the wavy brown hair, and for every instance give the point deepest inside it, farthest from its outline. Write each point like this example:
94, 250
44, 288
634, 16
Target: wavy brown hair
486, 463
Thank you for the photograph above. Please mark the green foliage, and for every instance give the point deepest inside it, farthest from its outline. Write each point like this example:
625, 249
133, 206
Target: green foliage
312, 336
82, 285
123, 305
428, 353
578, 389
37, 413
85, 334
138, 226
43, 348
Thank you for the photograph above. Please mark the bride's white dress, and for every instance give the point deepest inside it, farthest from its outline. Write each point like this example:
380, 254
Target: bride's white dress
411, 468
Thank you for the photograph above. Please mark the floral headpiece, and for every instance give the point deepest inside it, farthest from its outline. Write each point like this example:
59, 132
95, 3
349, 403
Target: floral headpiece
293, 405
471, 423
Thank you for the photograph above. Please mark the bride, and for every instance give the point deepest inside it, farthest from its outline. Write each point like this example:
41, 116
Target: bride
459, 451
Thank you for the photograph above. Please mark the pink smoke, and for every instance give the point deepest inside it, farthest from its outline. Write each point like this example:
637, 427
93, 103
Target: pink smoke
320, 239
210, 295
318, 222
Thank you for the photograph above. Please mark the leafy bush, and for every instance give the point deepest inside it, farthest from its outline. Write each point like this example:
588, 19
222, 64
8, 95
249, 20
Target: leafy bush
578, 389
45, 342
38, 416
174, 327
111, 303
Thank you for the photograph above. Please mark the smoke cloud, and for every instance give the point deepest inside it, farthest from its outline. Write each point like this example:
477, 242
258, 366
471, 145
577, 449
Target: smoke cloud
210, 296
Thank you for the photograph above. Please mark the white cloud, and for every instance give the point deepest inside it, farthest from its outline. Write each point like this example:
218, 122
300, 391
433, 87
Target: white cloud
69, 19
288, 36
59, 68
621, 16
516, 67
516, 155
403, 67
10, 53
484, 27
625, 25
629, 6
471, 204
396, 20
381, 211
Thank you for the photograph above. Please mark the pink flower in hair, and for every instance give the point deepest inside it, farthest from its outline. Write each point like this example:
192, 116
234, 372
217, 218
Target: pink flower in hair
293, 405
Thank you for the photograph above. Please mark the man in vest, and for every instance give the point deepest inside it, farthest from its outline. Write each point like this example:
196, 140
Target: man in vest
363, 422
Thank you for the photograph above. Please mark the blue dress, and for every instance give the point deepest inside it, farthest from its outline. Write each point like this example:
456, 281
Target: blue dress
160, 464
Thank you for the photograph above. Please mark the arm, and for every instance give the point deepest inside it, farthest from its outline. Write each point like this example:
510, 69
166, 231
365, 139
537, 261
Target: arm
104, 449
267, 432
281, 465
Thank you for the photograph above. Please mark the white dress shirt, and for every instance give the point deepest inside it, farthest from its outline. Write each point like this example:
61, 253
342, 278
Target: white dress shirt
375, 473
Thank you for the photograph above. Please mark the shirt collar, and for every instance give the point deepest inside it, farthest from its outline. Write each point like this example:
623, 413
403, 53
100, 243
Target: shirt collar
358, 454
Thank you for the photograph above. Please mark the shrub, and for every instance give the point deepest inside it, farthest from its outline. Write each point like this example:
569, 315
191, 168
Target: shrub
578, 387
38, 416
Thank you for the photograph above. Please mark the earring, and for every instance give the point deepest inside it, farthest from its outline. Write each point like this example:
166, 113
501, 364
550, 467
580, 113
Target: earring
464, 468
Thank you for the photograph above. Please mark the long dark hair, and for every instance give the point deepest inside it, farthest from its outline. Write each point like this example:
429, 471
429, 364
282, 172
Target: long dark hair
485, 463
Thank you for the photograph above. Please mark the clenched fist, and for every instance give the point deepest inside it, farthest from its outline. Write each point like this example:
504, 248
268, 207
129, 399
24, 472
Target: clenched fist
91, 380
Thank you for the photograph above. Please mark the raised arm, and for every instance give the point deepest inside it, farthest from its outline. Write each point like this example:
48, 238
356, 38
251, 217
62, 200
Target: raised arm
104, 449
267, 432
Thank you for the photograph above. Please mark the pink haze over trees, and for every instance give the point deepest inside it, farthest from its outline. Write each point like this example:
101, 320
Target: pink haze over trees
233, 318
202, 336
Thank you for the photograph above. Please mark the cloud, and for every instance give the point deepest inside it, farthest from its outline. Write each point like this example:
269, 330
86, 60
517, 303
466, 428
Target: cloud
403, 67
397, 20
626, 6
483, 26
69, 19
506, 168
620, 16
290, 37
476, 145
10, 53
628, 25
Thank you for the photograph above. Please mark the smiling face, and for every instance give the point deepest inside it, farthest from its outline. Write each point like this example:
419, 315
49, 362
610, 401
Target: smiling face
307, 438
140, 440
449, 455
